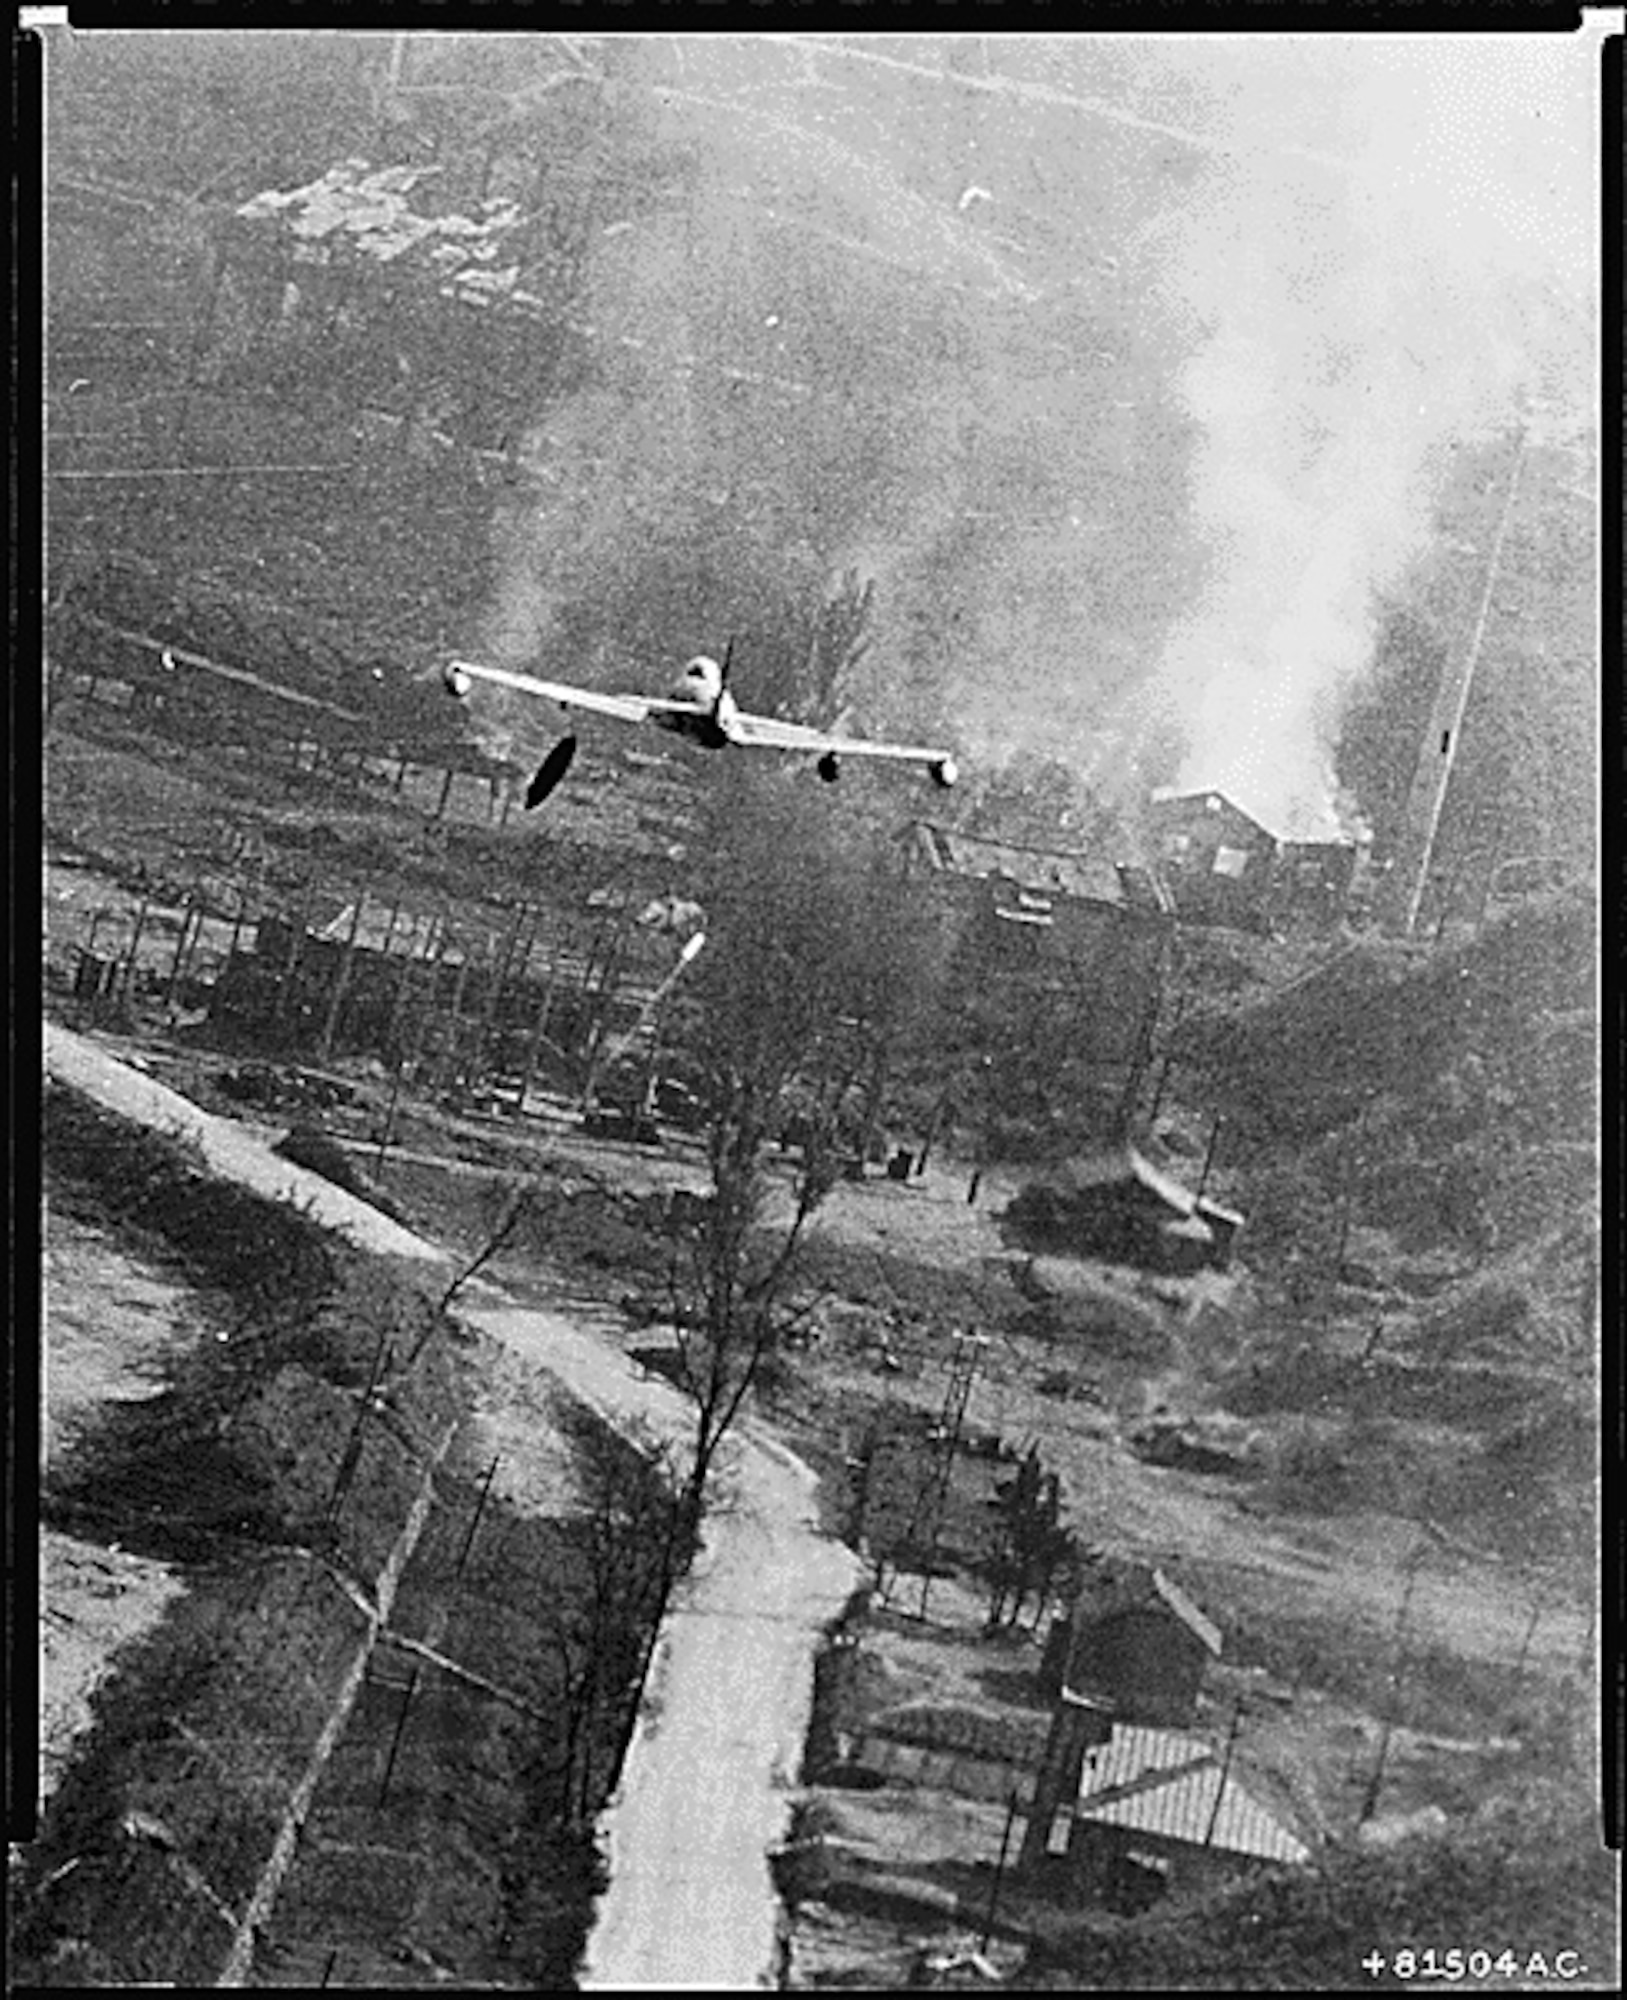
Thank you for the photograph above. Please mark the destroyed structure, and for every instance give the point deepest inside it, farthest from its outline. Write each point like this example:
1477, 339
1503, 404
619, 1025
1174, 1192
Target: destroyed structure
470, 1008
1028, 924
1222, 865
1116, 1205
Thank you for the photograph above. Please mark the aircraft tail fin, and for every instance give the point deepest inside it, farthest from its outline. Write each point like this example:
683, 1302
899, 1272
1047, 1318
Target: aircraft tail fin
723, 680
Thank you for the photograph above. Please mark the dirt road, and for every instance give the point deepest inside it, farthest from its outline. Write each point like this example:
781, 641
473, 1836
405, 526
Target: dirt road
691, 1902
227, 1149
704, 1794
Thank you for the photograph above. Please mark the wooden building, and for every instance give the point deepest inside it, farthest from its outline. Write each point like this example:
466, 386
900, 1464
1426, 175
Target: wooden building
1157, 1810
1132, 1648
1223, 865
1136, 1644
1116, 1205
1219, 861
1026, 919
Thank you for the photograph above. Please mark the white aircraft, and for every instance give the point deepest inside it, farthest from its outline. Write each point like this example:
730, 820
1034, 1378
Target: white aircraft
700, 709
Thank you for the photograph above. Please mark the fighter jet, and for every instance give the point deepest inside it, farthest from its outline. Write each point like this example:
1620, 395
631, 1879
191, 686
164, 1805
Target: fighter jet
700, 709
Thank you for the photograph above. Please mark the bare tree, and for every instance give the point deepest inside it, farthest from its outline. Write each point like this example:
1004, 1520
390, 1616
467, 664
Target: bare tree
515, 1204
1030, 1543
810, 964
739, 1270
630, 1538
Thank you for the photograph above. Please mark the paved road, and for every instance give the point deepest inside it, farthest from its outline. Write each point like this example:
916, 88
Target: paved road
705, 1787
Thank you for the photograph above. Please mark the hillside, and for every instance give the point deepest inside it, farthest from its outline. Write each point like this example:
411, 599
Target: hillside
1447, 1094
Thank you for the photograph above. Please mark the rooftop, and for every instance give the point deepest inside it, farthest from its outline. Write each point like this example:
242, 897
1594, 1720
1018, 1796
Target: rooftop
1120, 1586
1163, 1783
1035, 870
1112, 1165
1303, 825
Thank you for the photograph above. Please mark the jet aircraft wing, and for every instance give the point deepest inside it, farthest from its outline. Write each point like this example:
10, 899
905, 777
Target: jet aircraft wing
766, 732
708, 717
624, 707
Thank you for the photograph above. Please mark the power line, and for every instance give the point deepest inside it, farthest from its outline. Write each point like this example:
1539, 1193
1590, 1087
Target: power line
1044, 93
1434, 773
169, 655
341, 470
932, 1497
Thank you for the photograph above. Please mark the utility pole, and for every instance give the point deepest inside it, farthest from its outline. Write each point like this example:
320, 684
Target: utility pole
1140, 1061
1435, 760
341, 979
1168, 1058
1375, 1783
1225, 1772
539, 1026
127, 978
999, 1870
432, 959
296, 951
1209, 1156
447, 1055
494, 996
609, 972
184, 942
929, 1509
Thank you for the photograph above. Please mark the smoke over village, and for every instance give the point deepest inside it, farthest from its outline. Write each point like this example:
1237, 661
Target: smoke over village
1130, 456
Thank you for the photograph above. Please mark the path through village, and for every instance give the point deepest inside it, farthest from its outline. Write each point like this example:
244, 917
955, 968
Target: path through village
705, 1789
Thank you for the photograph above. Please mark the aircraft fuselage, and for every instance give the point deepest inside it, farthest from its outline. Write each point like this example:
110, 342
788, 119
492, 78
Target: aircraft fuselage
709, 727
710, 722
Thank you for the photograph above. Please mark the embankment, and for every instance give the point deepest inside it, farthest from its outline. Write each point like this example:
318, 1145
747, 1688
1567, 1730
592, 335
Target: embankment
364, 1744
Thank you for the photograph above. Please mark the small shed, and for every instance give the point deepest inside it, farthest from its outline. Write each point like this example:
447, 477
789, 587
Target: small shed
952, 1748
1117, 1205
1158, 1809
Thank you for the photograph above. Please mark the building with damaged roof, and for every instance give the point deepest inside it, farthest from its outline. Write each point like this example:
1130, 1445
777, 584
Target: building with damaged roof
1227, 865
1131, 1644
1028, 918
1117, 1205
1034, 878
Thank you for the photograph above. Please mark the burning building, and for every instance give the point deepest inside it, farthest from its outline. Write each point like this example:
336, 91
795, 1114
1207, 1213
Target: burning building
1224, 866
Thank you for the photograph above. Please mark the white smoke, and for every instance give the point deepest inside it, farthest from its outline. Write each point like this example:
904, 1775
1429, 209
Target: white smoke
1409, 284
1181, 377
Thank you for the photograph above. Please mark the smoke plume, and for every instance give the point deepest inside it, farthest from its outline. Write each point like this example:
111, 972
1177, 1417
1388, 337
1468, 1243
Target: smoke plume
1121, 367
1358, 309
